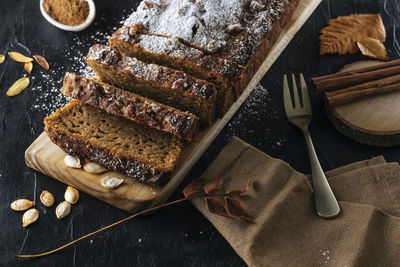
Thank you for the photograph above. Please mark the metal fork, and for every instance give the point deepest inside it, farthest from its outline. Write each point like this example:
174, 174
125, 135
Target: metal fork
300, 115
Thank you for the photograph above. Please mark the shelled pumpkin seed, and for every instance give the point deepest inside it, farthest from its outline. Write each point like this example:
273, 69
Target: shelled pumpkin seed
29, 217
47, 198
19, 57
22, 204
42, 62
71, 195
18, 86
28, 66
63, 209
111, 182
72, 161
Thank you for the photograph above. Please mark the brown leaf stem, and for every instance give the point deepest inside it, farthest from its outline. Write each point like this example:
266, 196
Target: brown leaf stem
116, 223
102, 229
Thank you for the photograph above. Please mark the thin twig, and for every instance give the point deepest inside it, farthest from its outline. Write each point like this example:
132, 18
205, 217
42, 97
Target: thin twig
104, 228
118, 222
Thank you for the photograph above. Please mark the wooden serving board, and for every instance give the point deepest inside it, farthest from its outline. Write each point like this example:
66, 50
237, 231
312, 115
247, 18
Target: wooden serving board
374, 120
133, 196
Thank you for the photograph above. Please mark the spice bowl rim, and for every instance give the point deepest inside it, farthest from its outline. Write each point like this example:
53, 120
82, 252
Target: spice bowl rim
76, 28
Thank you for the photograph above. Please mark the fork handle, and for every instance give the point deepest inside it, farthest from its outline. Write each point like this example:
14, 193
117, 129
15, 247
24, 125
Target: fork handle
325, 201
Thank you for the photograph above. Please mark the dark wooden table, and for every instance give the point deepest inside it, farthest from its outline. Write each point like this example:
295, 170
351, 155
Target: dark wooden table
176, 236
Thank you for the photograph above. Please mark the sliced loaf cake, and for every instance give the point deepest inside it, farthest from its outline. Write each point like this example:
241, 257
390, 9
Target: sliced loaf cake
205, 37
131, 106
165, 85
119, 144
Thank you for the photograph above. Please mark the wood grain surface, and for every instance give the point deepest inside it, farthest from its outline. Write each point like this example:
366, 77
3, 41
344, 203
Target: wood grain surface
47, 158
374, 120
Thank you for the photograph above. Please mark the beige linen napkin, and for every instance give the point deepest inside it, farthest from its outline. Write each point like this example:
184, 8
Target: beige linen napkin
288, 232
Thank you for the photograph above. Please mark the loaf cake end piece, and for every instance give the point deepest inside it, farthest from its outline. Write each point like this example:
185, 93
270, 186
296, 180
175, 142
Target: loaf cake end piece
118, 144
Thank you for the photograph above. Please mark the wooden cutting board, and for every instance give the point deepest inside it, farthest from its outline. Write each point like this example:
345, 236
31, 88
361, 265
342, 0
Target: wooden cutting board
133, 196
374, 120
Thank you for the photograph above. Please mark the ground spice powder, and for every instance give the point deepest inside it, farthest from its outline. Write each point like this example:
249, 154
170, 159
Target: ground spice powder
69, 12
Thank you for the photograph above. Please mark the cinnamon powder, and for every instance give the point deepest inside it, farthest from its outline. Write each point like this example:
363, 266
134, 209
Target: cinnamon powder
69, 12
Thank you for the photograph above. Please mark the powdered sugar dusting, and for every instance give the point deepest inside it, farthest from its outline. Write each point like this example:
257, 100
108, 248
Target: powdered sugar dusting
259, 106
232, 28
203, 23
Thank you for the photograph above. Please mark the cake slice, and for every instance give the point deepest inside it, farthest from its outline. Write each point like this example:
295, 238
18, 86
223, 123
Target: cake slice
132, 106
165, 85
173, 53
119, 144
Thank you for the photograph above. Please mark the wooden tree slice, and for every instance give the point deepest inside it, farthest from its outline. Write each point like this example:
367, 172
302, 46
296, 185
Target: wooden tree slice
374, 120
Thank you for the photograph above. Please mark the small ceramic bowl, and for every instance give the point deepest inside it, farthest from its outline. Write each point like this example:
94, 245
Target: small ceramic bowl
76, 28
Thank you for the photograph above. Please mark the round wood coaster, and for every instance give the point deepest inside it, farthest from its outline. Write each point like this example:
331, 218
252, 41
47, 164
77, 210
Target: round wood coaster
374, 120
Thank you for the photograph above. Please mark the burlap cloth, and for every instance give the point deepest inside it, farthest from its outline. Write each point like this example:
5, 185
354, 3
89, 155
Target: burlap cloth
288, 232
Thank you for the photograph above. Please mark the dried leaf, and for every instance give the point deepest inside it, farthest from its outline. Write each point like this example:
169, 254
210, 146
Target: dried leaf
215, 206
19, 57
248, 185
42, 61
236, 209
28, 66
371, 47
193, 187
18, 86
2, 57
341, 34
239, 191
234, 192
214, 184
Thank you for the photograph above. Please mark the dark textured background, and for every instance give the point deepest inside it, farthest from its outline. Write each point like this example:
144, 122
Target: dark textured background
174, 236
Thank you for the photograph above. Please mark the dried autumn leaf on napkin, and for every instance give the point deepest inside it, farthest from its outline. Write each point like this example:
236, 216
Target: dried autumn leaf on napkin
215, 206
341, 34
371, 47
214, 184
236, 209
233, 209
193, 187
239, 191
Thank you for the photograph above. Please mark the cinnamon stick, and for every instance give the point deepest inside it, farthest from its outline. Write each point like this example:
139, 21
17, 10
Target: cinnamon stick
383, 65
351, 94
326, 85
368, 85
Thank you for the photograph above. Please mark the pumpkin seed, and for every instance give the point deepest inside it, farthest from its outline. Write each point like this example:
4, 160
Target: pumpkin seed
111, 182
42, 62
47, 198
28, 66
18, 86
94, 168
71, 195
63, 209
72, 161
19, 57
29, 217
2, 57
22, 204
